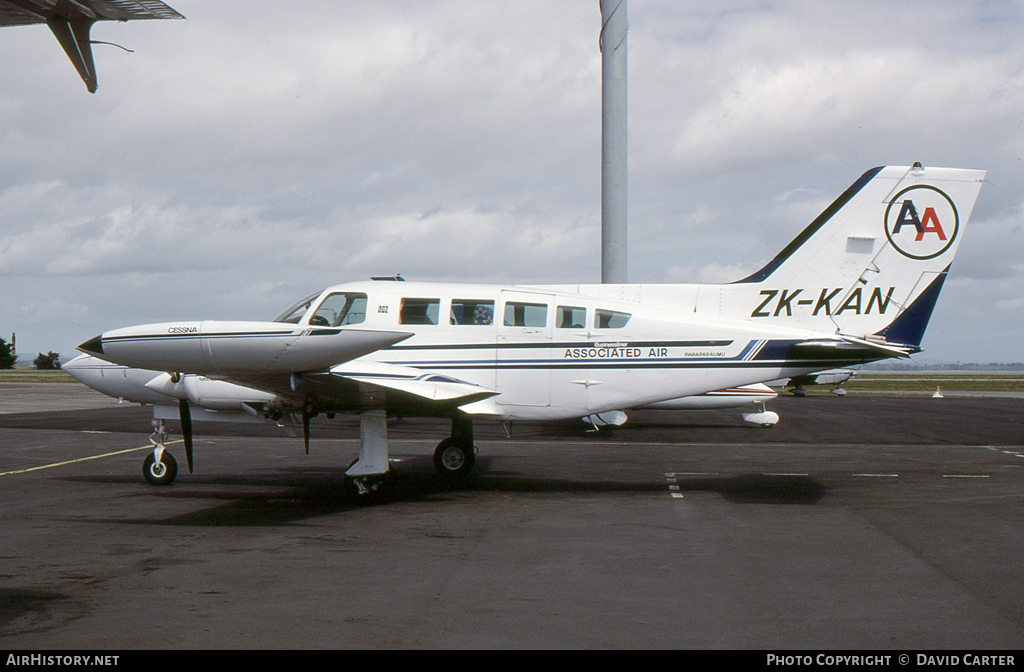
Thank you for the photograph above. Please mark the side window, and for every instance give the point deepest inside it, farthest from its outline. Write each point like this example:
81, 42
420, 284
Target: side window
419, 311
340, 309
526, 315
570, 317
470, 311
609, 319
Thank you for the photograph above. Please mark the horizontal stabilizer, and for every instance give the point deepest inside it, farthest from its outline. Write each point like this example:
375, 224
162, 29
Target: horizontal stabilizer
888, 349
844, 342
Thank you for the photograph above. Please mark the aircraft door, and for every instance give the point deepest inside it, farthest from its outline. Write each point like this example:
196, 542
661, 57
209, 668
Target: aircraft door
571, 380
523, 354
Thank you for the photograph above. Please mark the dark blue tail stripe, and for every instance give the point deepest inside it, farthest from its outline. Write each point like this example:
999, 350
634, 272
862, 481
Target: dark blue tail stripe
908, 327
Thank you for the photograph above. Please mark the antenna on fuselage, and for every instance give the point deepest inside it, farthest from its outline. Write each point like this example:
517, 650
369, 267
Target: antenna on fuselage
614, 225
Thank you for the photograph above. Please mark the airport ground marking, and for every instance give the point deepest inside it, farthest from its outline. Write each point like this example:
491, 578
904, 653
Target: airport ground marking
84, 459
965, 476
673, 489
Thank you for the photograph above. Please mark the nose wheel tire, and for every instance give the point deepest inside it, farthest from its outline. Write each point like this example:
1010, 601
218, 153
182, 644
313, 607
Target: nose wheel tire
162, 472
454, 460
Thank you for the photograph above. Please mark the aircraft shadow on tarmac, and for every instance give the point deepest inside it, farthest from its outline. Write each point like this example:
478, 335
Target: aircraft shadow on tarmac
23, 611
320, 492
823, 419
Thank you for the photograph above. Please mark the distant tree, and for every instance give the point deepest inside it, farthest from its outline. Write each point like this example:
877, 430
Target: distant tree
49, 361
6, 358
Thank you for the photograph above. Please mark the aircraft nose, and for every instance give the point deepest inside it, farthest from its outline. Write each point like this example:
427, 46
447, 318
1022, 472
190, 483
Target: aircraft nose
80, 367
93, 346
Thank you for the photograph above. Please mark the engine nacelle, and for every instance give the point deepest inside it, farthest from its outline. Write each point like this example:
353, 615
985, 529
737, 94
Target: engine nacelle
215, 395
215, 348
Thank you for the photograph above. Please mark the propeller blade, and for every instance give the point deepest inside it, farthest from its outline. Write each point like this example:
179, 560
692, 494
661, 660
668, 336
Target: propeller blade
186, 430
305, 429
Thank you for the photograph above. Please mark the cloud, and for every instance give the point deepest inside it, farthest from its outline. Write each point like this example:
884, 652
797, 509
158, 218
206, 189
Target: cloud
248, 155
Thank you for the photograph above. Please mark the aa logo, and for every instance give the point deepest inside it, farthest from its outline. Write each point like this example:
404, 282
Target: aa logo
921, 222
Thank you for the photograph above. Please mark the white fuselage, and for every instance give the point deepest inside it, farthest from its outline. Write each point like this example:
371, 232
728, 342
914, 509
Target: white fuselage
548, 353
548, 361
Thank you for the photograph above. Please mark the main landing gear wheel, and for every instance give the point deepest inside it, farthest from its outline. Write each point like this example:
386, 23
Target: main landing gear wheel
162, 472
454, 460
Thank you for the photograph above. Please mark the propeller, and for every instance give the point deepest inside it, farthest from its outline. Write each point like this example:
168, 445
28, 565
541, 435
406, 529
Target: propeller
307, 413
186, 430
305, 430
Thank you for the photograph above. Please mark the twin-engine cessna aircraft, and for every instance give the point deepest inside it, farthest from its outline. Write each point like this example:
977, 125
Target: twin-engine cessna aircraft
857, 285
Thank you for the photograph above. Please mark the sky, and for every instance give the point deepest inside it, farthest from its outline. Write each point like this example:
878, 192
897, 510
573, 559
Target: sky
257, 152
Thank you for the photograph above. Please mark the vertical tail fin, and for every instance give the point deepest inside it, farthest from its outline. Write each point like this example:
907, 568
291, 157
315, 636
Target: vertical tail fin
872, 264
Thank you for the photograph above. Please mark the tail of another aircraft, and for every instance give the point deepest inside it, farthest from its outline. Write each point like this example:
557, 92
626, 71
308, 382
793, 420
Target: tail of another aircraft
872, 264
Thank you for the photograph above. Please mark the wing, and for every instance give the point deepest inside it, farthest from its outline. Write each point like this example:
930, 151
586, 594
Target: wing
12, 14
71, 23
405, 389
357, 385
131, 10
25, 12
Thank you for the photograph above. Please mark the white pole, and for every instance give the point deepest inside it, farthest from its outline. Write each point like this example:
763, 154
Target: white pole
614, 223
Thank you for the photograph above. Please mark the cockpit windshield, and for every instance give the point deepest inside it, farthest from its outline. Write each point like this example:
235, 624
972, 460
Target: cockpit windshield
339, 309
295, 312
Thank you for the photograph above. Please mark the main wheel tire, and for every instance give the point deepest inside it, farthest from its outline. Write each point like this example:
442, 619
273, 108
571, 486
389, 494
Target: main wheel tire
160, 473
453, 460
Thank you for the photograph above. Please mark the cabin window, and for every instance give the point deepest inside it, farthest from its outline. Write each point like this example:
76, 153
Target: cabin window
571, 317
296, 311
340, 309
471, 311
526, 315
420, 311
609, 319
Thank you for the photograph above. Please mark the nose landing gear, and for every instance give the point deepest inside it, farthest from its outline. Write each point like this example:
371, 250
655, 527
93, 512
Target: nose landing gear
159, 467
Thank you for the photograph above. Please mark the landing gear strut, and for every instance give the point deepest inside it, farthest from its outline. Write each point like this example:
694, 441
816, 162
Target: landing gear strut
455, 456
159, 467
368, 474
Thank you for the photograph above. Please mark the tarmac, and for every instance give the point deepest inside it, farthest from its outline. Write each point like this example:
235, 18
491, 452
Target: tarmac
864, 522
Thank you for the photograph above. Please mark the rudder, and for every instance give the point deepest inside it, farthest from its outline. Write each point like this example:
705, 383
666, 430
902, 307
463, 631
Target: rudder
873, 262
